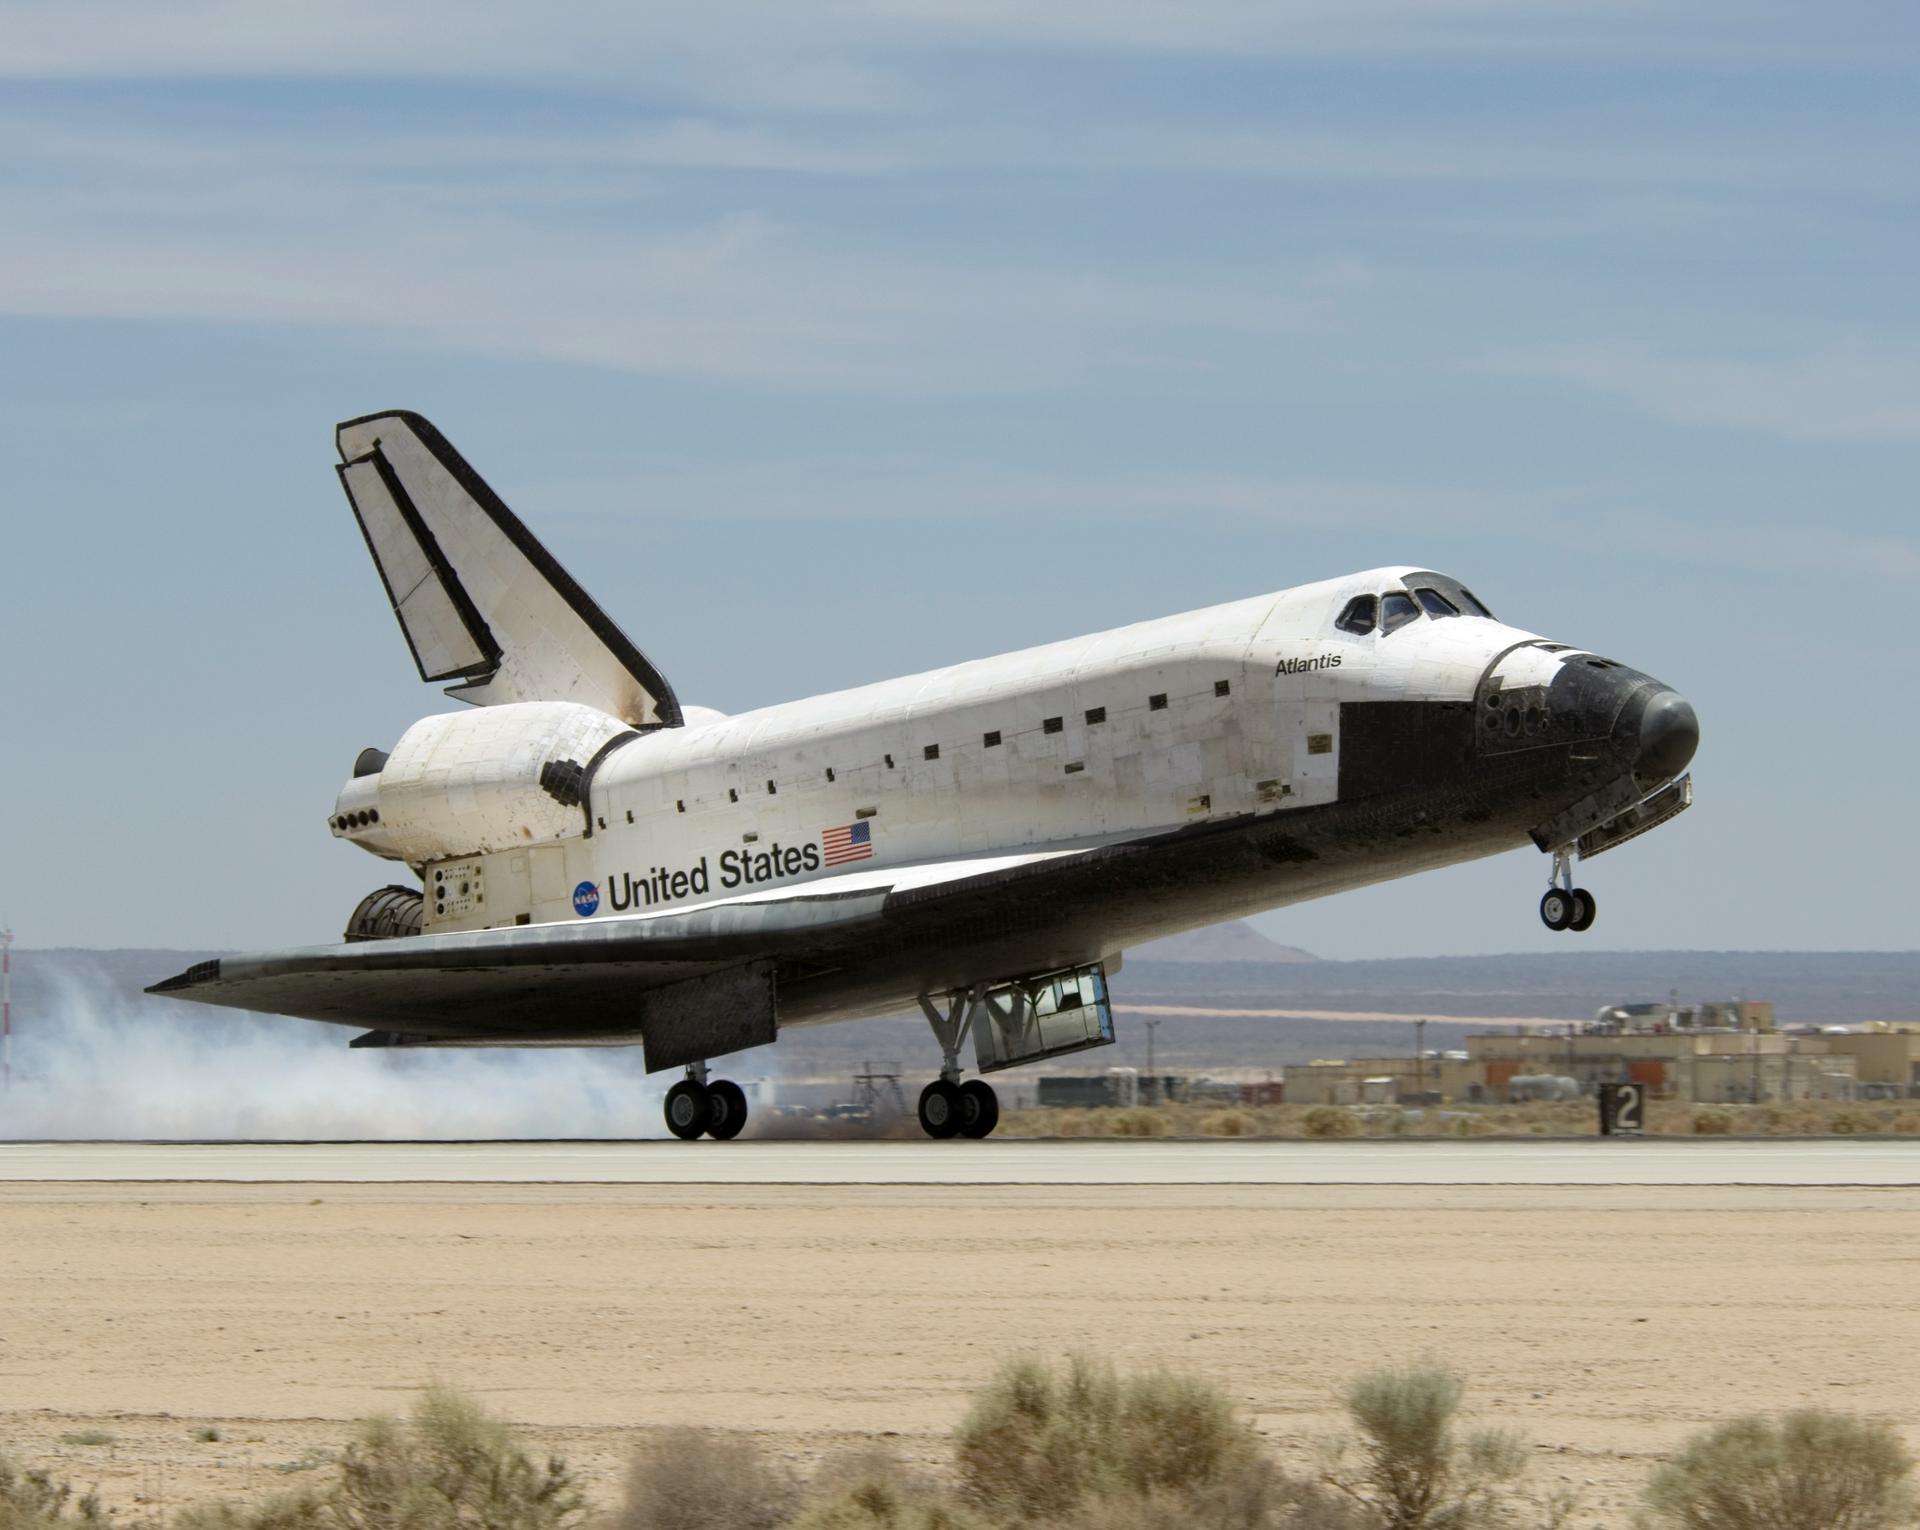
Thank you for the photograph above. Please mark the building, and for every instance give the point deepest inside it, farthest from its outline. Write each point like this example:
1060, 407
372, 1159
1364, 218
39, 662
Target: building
1364, 1081
1717, 1067
1886, 1058
1723, 1053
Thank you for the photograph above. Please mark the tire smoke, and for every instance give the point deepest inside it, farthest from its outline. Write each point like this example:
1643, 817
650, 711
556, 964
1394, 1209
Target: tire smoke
93, 1062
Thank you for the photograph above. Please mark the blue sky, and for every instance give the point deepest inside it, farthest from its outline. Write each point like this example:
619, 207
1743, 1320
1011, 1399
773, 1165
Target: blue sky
830, 342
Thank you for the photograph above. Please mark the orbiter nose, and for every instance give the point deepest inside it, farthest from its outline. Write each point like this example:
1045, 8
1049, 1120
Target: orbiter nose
1669, 734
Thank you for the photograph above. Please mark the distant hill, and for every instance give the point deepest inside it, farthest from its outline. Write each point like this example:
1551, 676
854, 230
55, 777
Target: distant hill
1232, 942
93, 1056
1177, 977
1806, 987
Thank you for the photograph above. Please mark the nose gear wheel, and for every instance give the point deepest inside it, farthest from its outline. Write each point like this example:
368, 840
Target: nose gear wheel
1584, 910
1564, 906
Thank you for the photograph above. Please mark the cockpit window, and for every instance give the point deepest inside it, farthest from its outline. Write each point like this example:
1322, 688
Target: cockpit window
1472, 603
1396, 610
1436, 603
1360, 615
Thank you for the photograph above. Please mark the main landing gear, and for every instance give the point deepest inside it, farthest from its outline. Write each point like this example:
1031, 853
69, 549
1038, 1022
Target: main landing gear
1566, 907
949, 1108
697, 1107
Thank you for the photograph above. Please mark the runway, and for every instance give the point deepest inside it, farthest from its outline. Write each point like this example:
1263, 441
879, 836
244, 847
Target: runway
1650, 1162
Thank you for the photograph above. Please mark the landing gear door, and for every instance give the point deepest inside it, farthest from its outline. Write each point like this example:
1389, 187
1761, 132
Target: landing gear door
1042, 1017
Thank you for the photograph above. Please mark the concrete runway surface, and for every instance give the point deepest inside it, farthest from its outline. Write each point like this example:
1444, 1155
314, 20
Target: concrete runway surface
1653, 1162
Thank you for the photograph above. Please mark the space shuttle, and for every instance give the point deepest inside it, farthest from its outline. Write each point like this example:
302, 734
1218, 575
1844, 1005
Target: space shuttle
590, 862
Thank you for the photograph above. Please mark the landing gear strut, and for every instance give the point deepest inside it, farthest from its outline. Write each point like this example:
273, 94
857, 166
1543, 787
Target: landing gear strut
949, 1108
697, 1107
1566, 907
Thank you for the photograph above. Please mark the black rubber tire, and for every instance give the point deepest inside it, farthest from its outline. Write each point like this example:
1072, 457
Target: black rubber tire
726, 1109
1556, 909
687, 1110
1585, 909
940, 1110
979, 1108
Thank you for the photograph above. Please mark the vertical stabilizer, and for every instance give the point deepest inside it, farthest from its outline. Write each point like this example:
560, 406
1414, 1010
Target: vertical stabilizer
480, 601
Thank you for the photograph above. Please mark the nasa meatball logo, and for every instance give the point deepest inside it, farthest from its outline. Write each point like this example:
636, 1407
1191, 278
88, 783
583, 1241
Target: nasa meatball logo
586, 900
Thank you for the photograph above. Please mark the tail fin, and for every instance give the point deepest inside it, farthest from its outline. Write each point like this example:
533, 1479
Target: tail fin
480, 600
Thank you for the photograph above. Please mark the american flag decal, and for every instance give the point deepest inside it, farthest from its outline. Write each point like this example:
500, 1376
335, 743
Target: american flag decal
853, 842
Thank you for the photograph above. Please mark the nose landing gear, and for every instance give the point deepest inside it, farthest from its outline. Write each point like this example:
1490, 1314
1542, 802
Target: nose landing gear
697, 1107
1566, 907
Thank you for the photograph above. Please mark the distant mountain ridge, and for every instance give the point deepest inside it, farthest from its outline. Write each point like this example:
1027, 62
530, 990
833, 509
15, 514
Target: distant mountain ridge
1223, 968
1235, 941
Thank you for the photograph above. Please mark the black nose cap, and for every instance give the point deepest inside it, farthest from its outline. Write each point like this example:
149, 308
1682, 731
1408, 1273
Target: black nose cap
1669, 734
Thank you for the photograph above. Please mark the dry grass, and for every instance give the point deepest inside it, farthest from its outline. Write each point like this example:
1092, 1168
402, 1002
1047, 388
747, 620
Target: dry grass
450, 1465
1068, 1445
1075, 1446
34, 1501
284, 1511
1541, 1118
1811, 1468
695, 1479
872, 1489
1409, 1464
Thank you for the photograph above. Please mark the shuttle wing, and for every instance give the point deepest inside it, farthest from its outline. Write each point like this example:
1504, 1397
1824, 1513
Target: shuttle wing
600, 980
480, 601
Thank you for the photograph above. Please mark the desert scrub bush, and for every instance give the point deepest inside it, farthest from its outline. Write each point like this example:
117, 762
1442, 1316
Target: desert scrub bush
1708, 1122
872, 1489
88, 1437
696, 1479
1847, 1122
34, 1501
1811, 1468
1410, 1467
284, 1511
450, 1466
1229, 1123
1138, 1121
1047, 1444
886, 1506
1330, 1121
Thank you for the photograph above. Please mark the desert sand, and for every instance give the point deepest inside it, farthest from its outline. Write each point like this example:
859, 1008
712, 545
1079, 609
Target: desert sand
1602, 1323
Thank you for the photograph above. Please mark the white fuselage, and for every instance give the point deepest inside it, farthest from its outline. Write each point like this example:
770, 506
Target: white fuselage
1213, 714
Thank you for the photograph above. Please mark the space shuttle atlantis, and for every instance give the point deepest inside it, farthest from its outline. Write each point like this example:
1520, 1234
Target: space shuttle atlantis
598, 865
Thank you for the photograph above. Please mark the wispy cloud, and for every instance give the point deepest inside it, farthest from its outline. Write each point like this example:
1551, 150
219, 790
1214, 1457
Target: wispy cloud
602, 38
1819, 546
1838, 393
823, 491
120, 224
